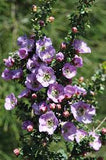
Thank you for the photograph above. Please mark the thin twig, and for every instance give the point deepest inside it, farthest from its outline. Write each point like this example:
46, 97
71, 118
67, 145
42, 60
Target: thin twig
100, 124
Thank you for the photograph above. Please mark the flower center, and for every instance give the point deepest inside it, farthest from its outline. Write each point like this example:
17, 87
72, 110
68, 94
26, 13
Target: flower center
46, 77
43, 48
55, 93
50, 123
67, 71
81, 111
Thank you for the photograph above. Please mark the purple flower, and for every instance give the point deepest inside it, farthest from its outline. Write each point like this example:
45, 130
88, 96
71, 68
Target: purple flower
39, 108
7, 74
68, 131
48, 123
69, 91
69, 71
45, 76
24, 42
81, 47
33, 63
9, 62
23, 53
80, 90
25, 124
10, 102
45, 50
82, 112
24, 93
95, 143
56, 92
31, 82
80, 134
43, 44
60, 56
17, 74
11, 74
78, 61
47, 55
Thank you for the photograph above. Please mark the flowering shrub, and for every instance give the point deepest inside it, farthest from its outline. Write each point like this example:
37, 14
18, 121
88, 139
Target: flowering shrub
54, 106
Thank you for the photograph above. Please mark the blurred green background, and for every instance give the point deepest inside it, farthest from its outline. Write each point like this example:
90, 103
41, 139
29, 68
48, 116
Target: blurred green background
15, 21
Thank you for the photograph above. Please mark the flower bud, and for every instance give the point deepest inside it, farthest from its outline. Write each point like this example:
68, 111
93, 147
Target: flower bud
92, 93
41, 23
16, 151
34, 95
44, 144
103, 130
74, 30
34, 8
52, 106
66, 114
58, 106
84, 154
81, 79
43, 108
51, 19
63, 45
29, 128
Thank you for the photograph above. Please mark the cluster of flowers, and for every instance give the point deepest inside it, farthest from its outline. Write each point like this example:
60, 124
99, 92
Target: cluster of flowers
58, 96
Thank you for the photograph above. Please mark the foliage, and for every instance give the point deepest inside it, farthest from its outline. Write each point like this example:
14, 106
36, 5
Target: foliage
17, 25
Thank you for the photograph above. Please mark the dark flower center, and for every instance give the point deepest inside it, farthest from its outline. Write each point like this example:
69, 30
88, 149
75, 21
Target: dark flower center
81, 111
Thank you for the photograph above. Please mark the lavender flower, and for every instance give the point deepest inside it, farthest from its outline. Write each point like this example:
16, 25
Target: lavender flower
23, 53
69, 71
68, 131
47, 55
78, 61
60, 56
39, 108
10, 102
33, 63
24, 93
17, 74
45, 50
82, 112
24, 42
45, 76
80, 90
25, 124
56, 92
81, 47
7, 74
80, 134
96, 143
11, 74
43, 44
48, 123
69, 91
31, 82
9, 62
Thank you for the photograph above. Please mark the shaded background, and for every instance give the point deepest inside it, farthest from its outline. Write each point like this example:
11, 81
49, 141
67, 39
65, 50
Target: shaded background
15, 21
